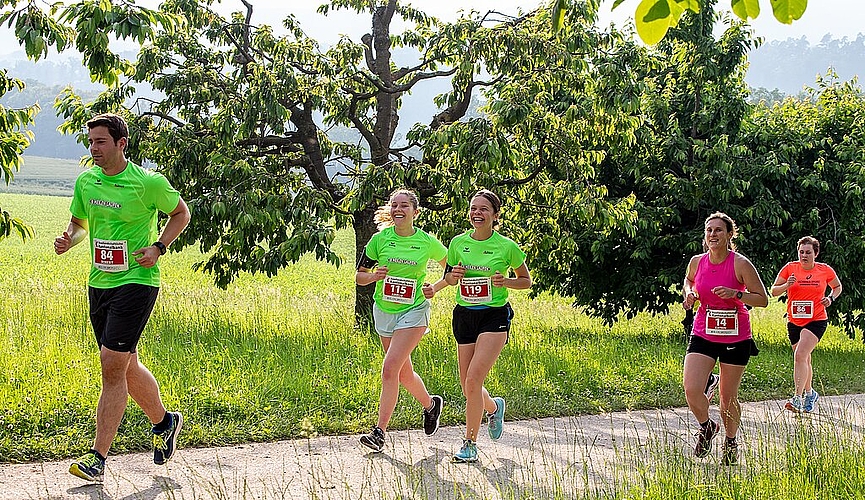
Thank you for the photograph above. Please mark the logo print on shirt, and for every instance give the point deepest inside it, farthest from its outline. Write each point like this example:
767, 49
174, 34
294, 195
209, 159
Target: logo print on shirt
487, 252
414, 247
107, 204
466, 250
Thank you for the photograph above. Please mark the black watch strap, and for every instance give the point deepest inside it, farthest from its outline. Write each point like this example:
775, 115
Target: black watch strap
161, 247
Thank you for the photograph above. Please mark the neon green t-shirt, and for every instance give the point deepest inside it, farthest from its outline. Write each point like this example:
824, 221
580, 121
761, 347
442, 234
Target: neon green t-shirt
121, 213
482, 259
406, 259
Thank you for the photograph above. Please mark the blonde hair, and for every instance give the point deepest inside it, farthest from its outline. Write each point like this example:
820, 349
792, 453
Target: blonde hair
731, 227
382, 216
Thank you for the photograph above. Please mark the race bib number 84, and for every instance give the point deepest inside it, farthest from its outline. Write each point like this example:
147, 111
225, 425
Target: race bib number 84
110, 255
476, 290
723, 322
399, 290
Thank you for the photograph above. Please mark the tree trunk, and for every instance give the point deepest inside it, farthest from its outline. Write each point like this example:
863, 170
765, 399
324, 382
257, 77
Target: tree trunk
364, 228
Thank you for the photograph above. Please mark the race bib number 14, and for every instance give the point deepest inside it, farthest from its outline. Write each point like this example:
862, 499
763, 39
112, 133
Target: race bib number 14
476, 290
110, 255
399, 290
723, 322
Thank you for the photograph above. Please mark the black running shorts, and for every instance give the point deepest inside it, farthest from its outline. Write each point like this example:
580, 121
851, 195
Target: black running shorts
737, 353
818, 328
119, 314
469, 323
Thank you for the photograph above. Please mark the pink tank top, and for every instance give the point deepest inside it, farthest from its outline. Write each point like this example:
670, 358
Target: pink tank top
720, 320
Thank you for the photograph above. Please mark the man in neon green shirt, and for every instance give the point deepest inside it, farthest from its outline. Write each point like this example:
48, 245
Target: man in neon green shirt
117, 202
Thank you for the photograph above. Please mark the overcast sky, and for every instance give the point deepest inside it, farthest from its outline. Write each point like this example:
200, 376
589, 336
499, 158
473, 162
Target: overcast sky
839, 17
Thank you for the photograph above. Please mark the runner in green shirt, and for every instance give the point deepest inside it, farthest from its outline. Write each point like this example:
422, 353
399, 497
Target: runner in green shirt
478, 262
117, 203
395, 259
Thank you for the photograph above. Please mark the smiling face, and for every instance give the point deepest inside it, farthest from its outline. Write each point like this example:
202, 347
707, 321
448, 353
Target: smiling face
402, 210
717, 235
807, 255
482, 215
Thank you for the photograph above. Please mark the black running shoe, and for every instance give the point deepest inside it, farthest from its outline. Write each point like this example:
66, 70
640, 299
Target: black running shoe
712, 385
431, 416
730, 453
165, 442
374, 440
704, 439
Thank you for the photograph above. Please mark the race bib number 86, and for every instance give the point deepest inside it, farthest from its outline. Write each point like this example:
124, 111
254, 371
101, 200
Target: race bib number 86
399, 290
110, 255
802, 309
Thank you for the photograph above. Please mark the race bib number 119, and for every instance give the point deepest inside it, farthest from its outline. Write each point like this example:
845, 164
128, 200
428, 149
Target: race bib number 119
476, 290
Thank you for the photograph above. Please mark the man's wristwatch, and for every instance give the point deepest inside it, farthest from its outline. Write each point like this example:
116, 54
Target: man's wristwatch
739, 294
161, 247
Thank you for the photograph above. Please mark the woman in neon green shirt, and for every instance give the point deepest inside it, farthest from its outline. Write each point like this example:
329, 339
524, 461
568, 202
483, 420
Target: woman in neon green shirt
395, 259
478, 261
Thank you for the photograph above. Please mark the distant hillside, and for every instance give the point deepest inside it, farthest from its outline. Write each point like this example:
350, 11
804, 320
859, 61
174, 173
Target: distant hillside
48, 176
792, 64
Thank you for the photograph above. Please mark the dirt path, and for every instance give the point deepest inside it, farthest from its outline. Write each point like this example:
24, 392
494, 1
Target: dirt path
534, 458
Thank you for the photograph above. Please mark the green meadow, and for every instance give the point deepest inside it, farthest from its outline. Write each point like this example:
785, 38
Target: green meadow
275, 358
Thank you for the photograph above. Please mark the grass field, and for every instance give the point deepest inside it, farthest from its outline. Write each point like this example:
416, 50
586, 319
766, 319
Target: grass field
45, 176
279, 358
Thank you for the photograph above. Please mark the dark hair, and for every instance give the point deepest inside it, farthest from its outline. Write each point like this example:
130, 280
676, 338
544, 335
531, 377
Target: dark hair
809, 240
729, 222
493, 199
116, 125
382, 214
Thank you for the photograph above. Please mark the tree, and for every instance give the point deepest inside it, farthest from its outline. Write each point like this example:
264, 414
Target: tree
242, 128
654, 18
14, 139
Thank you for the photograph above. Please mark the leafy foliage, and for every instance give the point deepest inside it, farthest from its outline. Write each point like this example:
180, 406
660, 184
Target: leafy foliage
14, 139
654, 18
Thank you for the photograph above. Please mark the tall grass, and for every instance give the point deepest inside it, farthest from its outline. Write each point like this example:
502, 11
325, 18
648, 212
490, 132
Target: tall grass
279, 358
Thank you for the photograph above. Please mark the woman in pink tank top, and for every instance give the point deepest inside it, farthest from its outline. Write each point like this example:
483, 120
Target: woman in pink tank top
724, 282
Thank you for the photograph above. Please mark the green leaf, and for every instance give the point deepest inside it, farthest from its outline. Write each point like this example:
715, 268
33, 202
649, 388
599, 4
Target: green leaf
653, 20
559, 8
746, 9
787, 11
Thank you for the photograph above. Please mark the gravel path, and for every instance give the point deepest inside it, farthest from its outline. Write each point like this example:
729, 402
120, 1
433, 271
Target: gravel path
534, 458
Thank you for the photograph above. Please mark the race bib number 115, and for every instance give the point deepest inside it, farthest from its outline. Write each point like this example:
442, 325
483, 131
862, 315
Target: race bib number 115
399, 290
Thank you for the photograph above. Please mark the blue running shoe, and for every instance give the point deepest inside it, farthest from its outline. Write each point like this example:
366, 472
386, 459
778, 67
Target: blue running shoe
810, 399
794, 404
89, 467
496, 420
468, 452
165, 442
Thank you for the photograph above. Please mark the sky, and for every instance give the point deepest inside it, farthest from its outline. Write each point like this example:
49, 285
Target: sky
841, 18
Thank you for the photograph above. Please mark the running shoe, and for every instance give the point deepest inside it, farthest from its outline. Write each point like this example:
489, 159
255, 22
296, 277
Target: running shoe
712, 385
730, 453
794, 404
89, 467
165, 442
810, 399
374, 440
431, 416
468, 452
704, 438
496, 420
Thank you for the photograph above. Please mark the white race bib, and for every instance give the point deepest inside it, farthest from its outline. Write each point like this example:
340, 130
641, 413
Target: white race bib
399, 290
110, 255
802, 309
476, 290
723, 322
